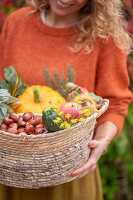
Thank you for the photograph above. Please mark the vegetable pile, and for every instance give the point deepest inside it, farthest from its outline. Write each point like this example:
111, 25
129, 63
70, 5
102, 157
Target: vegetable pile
58, 113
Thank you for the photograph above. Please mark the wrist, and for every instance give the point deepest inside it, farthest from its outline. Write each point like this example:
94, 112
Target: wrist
106, 131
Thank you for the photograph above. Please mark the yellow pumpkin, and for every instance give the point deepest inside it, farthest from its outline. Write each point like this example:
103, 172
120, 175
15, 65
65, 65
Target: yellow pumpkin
35, 98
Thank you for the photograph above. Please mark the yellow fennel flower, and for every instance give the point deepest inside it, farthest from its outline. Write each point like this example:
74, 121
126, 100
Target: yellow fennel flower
76, 98
57, 120
68, 126
62, 125
87, 114
60, 113
81, 119
67, 116
86, 111
73, 121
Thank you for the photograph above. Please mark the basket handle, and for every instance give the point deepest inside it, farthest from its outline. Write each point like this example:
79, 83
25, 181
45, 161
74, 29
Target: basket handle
103, 108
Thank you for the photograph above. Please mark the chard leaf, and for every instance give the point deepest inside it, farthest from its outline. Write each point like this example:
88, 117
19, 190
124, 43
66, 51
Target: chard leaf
15, 84
96, 97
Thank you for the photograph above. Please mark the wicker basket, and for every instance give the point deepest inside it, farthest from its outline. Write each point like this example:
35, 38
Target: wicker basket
35, 161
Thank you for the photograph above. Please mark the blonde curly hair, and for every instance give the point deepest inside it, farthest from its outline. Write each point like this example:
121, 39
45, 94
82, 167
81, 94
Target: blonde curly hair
98, 19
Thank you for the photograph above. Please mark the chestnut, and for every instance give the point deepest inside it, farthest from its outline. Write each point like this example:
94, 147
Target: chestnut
7, 121
29, 128
21, 123
39, 126
12, 130
3, 127
38, 119
32, 121
14, 117
39, 130
21, 129
27, 116
13, 125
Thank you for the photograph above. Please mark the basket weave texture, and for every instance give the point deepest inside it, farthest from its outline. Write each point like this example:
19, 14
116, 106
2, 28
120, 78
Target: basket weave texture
35, 161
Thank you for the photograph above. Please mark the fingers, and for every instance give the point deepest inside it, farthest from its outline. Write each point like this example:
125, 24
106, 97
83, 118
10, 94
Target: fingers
98, 148
93, 143
87, 167
81, 175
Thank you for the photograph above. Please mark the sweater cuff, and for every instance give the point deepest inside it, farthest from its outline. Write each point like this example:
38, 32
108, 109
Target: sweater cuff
115, 118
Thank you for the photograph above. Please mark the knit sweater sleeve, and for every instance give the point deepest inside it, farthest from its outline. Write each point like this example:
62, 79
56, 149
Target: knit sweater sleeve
112, 82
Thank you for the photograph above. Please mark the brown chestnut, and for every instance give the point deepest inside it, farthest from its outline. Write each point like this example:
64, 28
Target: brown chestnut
14, 116
12, 130
38, 119
39, 130
13, 125
21, 123
39, 126
32, 121
21, 129
3, 127
29, 128
7, 121
27, 116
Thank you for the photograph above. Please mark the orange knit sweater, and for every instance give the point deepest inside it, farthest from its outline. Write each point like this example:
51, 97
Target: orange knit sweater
28, 45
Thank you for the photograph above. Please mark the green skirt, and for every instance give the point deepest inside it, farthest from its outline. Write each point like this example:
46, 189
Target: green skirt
87, 188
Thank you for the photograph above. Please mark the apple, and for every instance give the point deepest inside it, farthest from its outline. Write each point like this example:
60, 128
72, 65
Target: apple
71, 108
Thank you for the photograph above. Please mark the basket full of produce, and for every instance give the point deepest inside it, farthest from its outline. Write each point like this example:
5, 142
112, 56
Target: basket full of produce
43, 136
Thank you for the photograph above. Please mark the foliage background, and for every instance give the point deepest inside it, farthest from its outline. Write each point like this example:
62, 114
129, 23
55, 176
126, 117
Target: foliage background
116, 165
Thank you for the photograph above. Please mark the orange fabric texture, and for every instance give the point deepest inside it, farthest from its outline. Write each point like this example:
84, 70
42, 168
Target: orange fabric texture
28, 44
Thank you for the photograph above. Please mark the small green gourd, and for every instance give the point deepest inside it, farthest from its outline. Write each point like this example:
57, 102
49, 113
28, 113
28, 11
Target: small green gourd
47, 118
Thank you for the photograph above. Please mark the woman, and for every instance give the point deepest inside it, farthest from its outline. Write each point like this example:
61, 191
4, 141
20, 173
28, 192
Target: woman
90, 36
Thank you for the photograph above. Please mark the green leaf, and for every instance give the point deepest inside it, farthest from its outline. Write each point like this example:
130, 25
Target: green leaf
4, 99
3, 111
4, 92
47, 77
71, 74
15, 84
9, 109
12, 100
57, 83
3, 85
56, 80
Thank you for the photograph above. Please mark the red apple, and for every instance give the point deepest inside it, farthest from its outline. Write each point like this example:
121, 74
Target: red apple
71, 108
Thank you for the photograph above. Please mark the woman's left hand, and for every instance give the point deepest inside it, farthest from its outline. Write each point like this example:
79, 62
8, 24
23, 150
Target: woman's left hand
99, 146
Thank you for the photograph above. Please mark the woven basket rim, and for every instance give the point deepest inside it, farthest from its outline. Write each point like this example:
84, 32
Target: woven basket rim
92, 117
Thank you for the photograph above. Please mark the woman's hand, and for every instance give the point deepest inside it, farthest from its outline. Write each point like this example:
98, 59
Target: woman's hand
98, 148
104, 134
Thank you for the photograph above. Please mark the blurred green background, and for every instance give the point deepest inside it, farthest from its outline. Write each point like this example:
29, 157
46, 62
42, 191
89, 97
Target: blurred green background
116, 165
